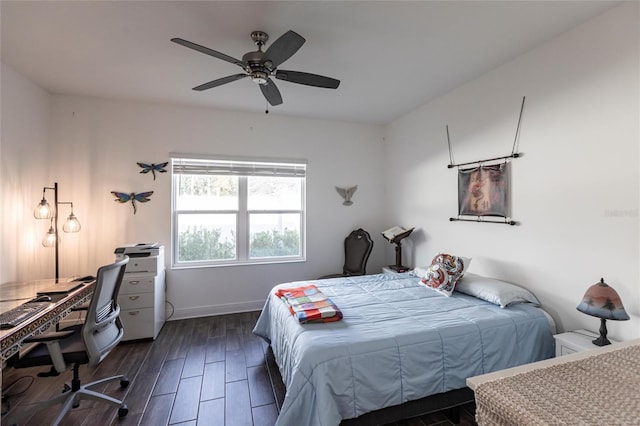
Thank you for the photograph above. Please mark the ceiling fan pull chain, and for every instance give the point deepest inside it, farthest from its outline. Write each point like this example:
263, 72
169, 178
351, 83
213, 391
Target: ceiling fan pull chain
266, 111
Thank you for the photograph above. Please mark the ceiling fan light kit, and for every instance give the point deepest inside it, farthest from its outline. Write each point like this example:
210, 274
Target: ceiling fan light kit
259, 77
261, 66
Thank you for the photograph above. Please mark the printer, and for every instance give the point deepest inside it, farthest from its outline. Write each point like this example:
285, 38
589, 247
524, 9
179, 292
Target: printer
139, 250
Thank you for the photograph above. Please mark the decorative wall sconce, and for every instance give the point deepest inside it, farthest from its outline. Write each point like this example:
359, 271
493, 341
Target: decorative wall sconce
346, 194
45, 211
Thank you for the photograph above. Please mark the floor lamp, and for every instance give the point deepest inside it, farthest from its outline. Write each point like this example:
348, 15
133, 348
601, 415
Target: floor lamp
44, 211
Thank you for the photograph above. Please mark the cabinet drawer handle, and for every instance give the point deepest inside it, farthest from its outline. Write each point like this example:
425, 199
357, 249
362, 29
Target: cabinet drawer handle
134, 297
134, 282
134, 312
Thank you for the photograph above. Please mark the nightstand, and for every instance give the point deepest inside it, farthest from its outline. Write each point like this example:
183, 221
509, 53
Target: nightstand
388, 271
576, 341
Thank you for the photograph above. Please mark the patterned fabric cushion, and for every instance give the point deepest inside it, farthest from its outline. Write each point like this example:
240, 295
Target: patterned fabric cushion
444, 273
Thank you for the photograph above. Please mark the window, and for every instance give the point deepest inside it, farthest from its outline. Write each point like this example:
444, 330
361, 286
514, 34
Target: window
237, 211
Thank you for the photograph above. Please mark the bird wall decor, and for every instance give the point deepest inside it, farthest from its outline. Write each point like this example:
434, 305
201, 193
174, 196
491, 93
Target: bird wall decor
123, 197
346, 194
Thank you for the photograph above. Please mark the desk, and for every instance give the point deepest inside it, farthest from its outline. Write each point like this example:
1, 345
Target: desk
16, 293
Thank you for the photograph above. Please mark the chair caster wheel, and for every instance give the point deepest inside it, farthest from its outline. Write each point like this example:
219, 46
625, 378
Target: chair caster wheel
123, 411
124, 383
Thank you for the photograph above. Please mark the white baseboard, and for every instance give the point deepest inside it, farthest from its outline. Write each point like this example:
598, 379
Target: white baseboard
207, 311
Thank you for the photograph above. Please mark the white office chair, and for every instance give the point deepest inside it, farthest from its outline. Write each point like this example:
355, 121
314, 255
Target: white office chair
88, 343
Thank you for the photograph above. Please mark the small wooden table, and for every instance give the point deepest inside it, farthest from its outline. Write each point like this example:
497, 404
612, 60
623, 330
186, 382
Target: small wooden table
15, 293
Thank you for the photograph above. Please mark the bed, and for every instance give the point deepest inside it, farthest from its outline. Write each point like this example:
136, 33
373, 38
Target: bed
398, 341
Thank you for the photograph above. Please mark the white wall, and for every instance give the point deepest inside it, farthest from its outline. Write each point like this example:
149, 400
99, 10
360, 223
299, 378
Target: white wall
23, 174
575, 190
95, 145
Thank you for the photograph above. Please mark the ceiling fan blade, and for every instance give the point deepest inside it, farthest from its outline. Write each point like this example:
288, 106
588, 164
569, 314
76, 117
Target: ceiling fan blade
271, 92
208, 51
219, 82
283, 48
308, 79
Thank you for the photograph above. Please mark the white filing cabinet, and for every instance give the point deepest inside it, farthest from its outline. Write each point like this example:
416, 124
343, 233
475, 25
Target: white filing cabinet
142, 297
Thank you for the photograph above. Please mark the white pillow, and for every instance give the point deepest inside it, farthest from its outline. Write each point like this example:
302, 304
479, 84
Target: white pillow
495, 291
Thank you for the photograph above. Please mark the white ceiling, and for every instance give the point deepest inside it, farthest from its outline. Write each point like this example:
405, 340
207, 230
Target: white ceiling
391, 56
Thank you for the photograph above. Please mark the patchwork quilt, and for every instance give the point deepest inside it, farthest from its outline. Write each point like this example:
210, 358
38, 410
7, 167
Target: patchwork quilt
308, 304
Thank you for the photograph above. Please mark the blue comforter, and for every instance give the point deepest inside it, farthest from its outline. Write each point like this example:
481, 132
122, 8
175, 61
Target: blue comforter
398, 341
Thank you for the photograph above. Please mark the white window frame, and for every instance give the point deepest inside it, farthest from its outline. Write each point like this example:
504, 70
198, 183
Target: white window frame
241, 167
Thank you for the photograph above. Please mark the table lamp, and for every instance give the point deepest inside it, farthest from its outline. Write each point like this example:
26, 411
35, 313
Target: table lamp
602, 301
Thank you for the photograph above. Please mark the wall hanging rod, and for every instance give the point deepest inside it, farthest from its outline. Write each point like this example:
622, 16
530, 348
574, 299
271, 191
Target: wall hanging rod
514, 155
478, 220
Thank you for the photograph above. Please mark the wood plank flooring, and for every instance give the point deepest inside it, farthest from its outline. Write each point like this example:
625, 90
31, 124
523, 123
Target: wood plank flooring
206, 371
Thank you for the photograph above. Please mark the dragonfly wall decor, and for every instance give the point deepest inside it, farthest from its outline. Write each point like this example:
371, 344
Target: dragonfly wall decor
153, 168
123, 197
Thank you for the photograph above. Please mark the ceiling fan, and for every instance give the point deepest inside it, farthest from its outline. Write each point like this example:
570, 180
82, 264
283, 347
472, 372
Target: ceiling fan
261, 66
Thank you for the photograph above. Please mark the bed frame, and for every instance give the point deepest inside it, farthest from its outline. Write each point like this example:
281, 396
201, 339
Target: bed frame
449, 401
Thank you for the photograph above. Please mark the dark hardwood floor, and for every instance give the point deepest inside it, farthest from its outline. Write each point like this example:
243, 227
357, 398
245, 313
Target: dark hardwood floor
205, 371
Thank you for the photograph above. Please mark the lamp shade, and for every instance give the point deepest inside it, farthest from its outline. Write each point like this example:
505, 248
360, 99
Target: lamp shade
43, 210
602, 301
72, 224
51, 238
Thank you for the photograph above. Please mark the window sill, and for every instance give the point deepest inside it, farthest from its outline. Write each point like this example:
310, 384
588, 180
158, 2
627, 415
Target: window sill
236, 264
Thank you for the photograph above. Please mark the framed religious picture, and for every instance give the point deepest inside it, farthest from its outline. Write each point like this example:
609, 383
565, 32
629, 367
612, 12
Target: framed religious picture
484, 191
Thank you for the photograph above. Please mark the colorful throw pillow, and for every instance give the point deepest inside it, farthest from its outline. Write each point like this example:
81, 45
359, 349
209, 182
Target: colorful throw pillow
444, 273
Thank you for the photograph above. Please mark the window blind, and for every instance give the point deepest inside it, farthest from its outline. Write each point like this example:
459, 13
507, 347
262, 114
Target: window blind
193, 166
